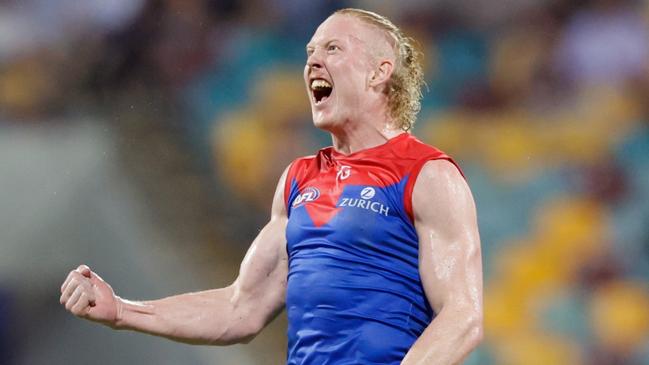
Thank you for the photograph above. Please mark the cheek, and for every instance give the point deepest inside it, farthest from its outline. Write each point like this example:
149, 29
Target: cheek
357, 73
350, 75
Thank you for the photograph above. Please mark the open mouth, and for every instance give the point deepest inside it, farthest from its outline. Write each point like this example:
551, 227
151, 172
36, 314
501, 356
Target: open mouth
321, 90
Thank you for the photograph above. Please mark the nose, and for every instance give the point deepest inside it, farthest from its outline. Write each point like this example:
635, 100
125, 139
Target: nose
314, 61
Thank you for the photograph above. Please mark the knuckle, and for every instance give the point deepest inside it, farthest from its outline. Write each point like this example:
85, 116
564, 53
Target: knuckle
65, 284
66, 294
80, 309
72, 275
77, 310
78, 291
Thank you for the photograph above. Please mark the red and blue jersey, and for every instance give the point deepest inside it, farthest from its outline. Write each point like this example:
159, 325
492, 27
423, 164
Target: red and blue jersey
354, 294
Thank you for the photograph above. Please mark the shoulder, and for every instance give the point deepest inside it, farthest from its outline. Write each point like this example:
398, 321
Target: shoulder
304, 160
441, 171
416, 147
299, 167
298, 170
423, 153
428, 161
441, 191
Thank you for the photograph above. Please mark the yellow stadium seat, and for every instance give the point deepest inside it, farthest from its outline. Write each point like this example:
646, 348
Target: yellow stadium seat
619, 313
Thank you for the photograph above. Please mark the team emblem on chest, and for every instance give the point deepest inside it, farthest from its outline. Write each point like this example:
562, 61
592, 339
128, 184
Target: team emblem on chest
343, 172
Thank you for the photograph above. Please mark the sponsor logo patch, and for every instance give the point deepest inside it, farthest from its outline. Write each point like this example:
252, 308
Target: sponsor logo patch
365, 203
368, 193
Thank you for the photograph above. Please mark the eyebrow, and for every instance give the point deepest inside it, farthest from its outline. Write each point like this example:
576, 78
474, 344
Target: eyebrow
310, 45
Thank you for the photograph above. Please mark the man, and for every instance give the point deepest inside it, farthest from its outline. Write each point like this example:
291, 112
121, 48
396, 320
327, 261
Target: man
372, 244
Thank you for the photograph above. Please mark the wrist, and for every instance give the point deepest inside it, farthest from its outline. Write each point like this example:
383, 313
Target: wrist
118, 322
131, 314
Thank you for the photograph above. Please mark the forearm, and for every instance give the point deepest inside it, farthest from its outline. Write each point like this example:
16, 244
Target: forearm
450, 337
208, 317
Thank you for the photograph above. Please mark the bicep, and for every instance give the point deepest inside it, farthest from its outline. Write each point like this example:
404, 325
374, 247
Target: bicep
450, 261
264, 269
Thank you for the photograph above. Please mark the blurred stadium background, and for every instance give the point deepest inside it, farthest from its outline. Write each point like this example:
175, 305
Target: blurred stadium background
145, 138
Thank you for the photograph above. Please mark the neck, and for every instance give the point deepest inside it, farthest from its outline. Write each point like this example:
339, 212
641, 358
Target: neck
354, 138
369, 126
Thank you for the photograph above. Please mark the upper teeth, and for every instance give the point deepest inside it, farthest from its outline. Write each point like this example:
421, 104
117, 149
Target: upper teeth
320, 84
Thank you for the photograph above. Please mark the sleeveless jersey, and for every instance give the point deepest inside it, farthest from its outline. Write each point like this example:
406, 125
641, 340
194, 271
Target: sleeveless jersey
354, 295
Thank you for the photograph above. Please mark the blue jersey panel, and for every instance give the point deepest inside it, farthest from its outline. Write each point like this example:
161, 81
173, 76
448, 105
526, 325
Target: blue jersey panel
354, 295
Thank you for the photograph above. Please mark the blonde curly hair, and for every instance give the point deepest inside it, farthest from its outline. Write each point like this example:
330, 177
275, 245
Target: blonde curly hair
404, 88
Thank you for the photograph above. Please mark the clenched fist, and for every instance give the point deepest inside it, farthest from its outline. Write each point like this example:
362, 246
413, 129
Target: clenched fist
85, 294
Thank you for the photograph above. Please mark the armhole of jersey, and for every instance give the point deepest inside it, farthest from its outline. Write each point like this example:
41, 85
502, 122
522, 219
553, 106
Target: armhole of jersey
288, 182
412, 179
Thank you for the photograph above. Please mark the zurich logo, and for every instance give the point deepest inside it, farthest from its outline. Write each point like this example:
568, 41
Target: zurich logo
308, 195
368, 193
365, 202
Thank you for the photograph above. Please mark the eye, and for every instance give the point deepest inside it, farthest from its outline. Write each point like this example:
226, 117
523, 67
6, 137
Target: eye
332, 48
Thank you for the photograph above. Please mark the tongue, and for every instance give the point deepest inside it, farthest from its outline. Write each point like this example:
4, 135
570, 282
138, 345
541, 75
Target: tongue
321, 94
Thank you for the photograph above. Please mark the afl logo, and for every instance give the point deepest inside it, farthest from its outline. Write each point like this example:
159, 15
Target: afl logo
308, 195
368, 193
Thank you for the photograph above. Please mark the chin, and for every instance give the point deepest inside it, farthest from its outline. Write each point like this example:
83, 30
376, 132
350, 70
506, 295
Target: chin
319, 123
323, 123
328, 125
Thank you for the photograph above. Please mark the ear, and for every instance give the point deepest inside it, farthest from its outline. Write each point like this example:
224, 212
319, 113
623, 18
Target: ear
382, 73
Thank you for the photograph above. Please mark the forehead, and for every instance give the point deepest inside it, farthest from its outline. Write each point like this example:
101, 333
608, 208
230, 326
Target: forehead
345, 27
